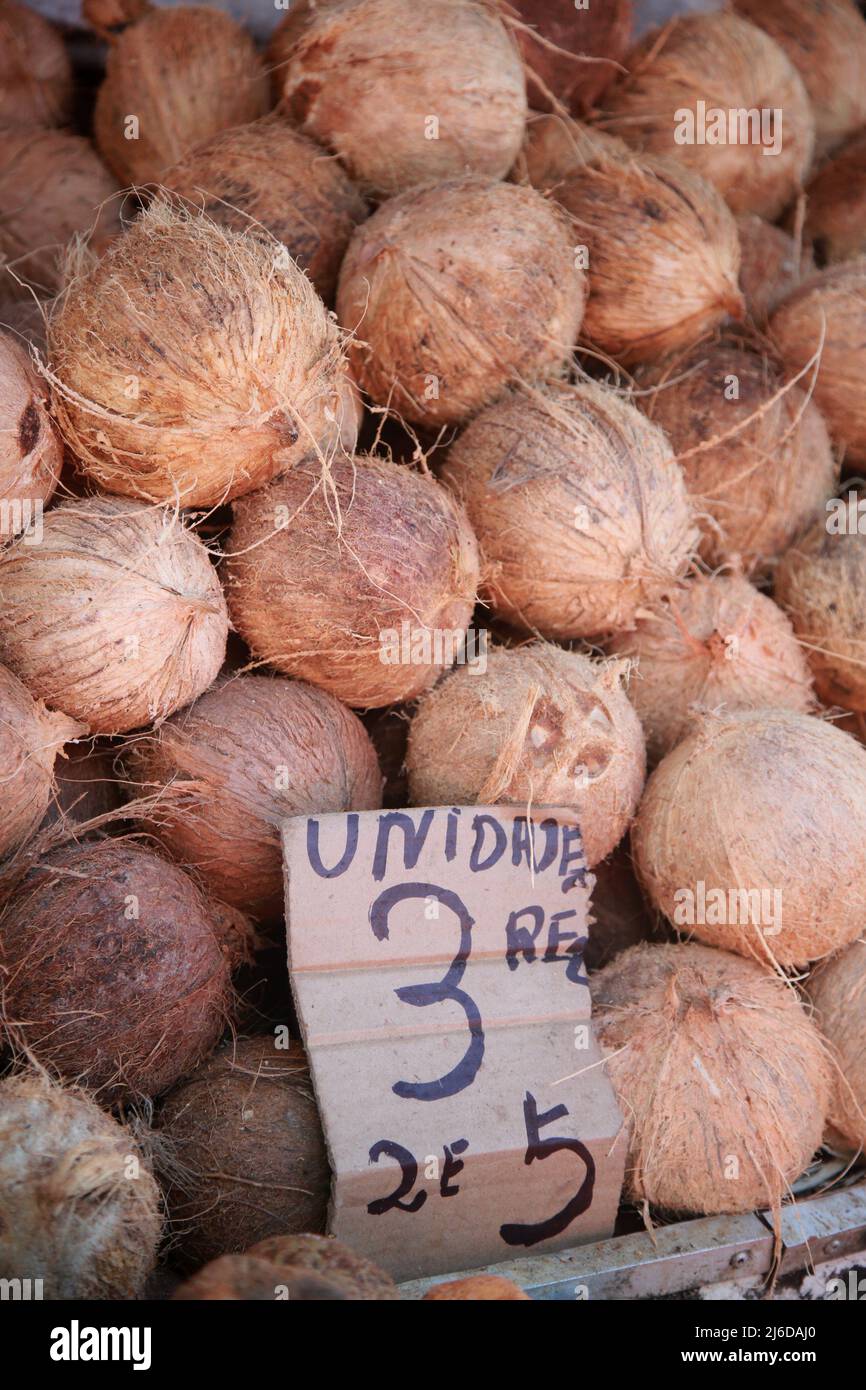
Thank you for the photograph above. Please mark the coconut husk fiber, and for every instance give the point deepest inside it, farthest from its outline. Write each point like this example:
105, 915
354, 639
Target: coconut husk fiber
836, 203
35, 72
31, 737
31, 455
772, 264
837, 993
572, 53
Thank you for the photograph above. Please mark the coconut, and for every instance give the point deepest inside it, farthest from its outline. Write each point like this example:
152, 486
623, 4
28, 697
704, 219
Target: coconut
25, 320
823, 324
754, 450
619, 915
826, 42
328, 1259
363, 584
243, 1278
35, 72
30, 739
53, 187
116, 617
172, 80
837, 991
718, 644
772, 264
31, 455
539, 726
268, 175
572, 52
112, 968
458, 289
836, 206
451, 72
662, 250
820, 584
246, 1119
79, 1209
578, 505
85, 784
556, 146
731, 838
478, 1288
738, 74
719, 1072
241, 760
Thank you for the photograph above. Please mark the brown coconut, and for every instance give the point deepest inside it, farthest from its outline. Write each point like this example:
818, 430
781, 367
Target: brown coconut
35, 72
826, 42
720, 1074
328, 1259
31, 455
754, 450
719, 644
116, 617
181, 75
86, 783
479, 1288
556, 146
194, 396
619, 915
837, 992
772, 264
112, 969
662, 250
836, 203
824, 323
539, 726
243, 1278
404, 93
231, 768
734, 829
267, 174
572, 52
363, 583
53, 187
820, 584
579, 508
31, 737
79, 1209
729, 64
454, 291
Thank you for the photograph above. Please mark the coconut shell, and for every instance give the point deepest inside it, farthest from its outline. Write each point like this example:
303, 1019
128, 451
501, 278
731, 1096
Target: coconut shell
572, 53
200, 397
772, 264
479, 1288
836, 203
826, 42
824, 322
230, 769
837, 992
31, 455
85, 784
31, 736
719, 1072
716, 644
244, 1278
449, 61
35, 72
729, 64
539, 726
116, 617
324, 579
268, 175
247, 1153
79, 1209
329, 1259
456, 290
556, 147
820, 584
754, 450
620, 917
579, 508
748, 803
183, 74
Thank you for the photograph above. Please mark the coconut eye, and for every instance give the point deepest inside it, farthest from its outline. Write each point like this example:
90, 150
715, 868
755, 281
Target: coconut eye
592, 763
28, 428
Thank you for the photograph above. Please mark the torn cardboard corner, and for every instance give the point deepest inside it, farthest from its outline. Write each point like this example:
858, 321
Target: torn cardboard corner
436, 958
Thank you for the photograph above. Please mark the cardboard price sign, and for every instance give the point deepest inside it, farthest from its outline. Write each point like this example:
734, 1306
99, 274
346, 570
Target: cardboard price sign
436, 962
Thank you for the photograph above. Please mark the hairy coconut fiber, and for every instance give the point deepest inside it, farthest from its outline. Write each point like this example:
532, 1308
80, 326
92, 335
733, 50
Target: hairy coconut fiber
228, 771
53, 187
31, 737
116, 617
31, 455
479, 1288
181, 74
772, 264
556, 146
86, 784
539, 726
619, 916
246, 1151
456, 290
362, 582
826, 42
329, 1259
572, 52
193, 363
718, 644
837, 991
403, 93
267, 174
836, 204
824, 323
729, 65
754, 450
79, 1209
111, 969
820, 584
663, 254
243, 1278
730, 841
579, 508
35, 72
720, 1074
